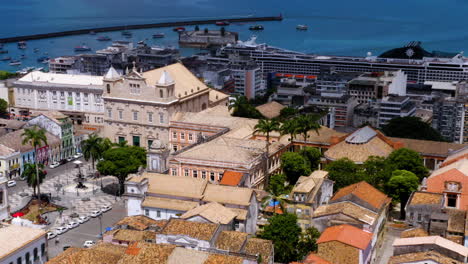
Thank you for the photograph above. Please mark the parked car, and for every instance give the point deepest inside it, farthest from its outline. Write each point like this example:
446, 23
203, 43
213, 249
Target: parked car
61, 230
74, 215
96, 213
83, 219
70, 159
66, 247
51, 235
72, 225
106, 208
78, 155
88, 243
63, 161
54, 165
11, 183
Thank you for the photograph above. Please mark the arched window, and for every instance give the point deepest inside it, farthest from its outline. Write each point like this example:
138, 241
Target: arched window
36, 256
203, 106
108, 88
161, 94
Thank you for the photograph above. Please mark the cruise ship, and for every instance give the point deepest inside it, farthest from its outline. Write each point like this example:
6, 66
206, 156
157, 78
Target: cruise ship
419, 70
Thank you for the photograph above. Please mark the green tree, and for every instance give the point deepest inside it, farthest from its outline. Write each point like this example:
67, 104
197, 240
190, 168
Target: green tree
312, 155
343, 172
265, 127
407, 159
107, 144
277, 192
377, 171
291, 127
92, 148
223, 31
400, 186
294, 166
242, 108
283, 230
3, 107
5, 75
306, 123
308, 242
30, 174
122, 161
197, 28
411, 127
35, 137
288, 112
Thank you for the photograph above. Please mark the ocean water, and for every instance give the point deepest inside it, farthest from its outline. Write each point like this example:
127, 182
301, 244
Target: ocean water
336, 27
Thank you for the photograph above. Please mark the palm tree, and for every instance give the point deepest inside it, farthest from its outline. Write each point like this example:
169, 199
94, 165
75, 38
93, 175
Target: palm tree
266, 126
290, 126
237, 102
29, 173
35, 137
306, 123
277, 192
92, 148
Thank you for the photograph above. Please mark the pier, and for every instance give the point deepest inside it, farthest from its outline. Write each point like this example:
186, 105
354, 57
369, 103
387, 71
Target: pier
139, 26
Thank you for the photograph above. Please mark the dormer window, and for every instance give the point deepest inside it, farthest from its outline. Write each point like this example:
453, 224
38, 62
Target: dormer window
108, 88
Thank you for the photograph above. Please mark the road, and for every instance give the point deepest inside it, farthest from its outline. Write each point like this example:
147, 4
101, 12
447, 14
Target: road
87, 231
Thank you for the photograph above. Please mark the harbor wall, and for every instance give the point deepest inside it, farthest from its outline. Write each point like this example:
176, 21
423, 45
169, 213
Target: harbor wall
139, 26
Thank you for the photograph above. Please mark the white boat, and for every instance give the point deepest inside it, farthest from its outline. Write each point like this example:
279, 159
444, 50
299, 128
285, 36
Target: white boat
15, 63
301, 27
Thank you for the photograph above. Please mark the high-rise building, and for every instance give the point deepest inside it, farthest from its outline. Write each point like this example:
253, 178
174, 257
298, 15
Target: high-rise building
376, 85
449, 118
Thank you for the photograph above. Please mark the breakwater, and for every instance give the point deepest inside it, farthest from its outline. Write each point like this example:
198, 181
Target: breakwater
139, 26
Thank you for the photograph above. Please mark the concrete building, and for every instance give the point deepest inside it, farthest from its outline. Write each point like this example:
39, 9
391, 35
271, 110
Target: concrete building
341, 109
248, 79
25, 245
366, 114
377, 85
449, 118
290, 90
394, 106
138, 106
64, 64
161, 197
78, 96
420, 207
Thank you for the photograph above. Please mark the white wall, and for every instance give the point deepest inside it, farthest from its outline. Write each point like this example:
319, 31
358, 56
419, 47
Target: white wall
164, 214
28, 248
398, 85
133, 206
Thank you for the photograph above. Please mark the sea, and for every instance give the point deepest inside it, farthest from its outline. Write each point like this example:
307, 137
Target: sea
336, 27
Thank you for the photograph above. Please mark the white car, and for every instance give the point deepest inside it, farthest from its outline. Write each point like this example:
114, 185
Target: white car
69, 159
54, 165
77, 155
61, 230
88, 243
51, 235
11, 183
72, 225
83, 219
106, 208
96, 213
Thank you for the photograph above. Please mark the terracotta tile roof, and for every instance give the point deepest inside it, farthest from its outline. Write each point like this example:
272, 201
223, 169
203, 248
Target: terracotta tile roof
133, 235
347, 208
346, 234
227, 194
175, 186
223, 259
365, 192
429, 148
359, 153
140, 222
231, 178
182, 256
256, 246
231, 240
202, 231
271, 109
456, 221
102, 251
147, 253
314, 259
422, 257
414, 232
168, 203
325, 136
213, 212
425, 198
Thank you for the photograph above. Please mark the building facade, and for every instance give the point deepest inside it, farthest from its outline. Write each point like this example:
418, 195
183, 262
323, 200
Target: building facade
376, 85
138, 106
25, 245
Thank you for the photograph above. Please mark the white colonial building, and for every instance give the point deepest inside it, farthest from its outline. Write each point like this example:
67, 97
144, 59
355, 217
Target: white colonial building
22, 245
4, 208
77, 96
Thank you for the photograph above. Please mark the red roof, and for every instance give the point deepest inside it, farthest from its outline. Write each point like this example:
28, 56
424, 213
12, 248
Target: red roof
231, 178
313, 259
348, 235
365, 192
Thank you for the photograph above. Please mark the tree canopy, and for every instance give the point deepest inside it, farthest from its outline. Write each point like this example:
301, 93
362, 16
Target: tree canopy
294, 165
277, 191
343, 172
308, 242
411, 127
122, 161
5, 75
312, 155
3, 107
92, 148
410, 160
400, 186
243, 108
33, 177
283, 230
